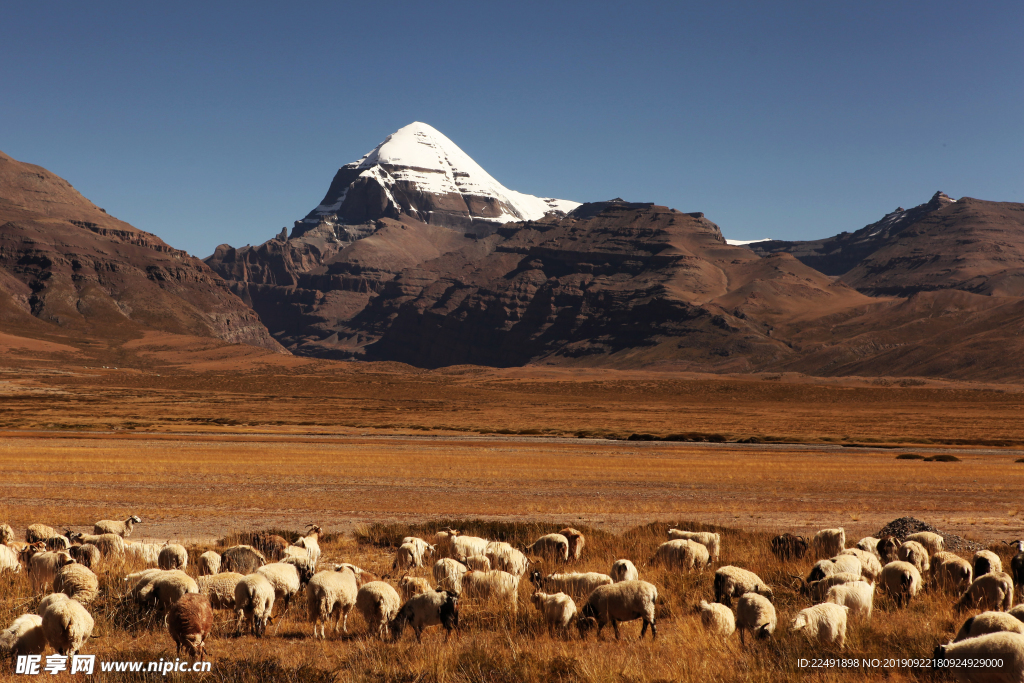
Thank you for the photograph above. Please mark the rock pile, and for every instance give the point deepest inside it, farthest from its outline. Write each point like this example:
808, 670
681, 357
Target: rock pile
904, 526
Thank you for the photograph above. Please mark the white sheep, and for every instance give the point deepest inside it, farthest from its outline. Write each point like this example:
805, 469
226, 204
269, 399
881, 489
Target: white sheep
379, 603
1005, 649
331, 594
6, 534
682, 554
220, 588
407, 557
165, 588
870, 567
986, 562
9, 560
577, 584
43, 567
859, 596
989, 622
464, 546
208, 563
495, 584
478, 562
110, 526
869, 544
901, 580
362, 576
732, 582
146, 553
557, 609
817, 590
424, 549
285, 579
24, 637
409, 586
308, 545
755, 613
989, 592
111, 546
505, 557
824, 623
39, 532
448, 574
77, 582
190, 621
86, 555
914, 553
254, 604
434, 608
931, 541
711, 541
615, 602
243, 559
841, 564
717, 618
173, 556
951, 572
67, 625
624, 570
829, 542
551, 547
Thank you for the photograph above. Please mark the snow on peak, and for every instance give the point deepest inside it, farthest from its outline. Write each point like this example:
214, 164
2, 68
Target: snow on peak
421, 155
740, 243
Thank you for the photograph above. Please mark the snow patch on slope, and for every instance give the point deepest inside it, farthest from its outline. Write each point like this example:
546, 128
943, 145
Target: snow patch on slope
740, 243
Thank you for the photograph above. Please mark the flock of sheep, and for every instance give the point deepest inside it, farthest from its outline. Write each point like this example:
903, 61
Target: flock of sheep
251, 579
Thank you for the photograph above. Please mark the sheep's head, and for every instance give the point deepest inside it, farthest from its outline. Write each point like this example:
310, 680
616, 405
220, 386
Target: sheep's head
135, 519
586, 621
535, 577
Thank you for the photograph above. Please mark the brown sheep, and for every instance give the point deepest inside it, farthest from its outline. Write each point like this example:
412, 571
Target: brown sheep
576, 542
189, 622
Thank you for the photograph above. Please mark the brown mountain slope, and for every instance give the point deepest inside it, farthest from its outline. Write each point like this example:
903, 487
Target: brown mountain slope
970, 244
69, 269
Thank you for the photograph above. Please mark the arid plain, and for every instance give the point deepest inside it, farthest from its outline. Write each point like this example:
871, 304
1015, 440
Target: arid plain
223, 440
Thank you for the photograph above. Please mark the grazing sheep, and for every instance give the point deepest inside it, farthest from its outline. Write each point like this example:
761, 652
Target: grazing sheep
951, 572
841, 564
829, 542
817, 590
711, 541
1007, 648
331, 594
66, 625
24, 637
284, 578
886, 549
308, 545
914, 553
9, 560
39, 532
870, 544
989, 622
1017, 567
220, 589
51, 599
682, 554
6, 534
173, 556
615, 602
407, 557
208, 563
379, 603
273, 547
859, 596
576, 542
477, 562
424, 549
43, 567
558, 610
110, 526
110, 545
165, 588
146, 553
624, 570
443, 542
491, 585
755, 613
77, 582
824, 623
189, 622
986, 562
448, 574
409, 586
1017, 612
932, 542
989, 592
57, 543
243, 559
572, 583
86, 555
254, 604
732, 582
505, 557
717, 618
551, 547
465, 546
901, 581
870, 567
362, 576
436, 608
789, 546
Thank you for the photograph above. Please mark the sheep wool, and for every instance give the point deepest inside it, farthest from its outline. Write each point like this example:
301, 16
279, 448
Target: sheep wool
989, 622
717, 618
254, 603
624, 570
824, 623
78, 582
711, 541
683, 554
67, 625
732, 582
189, 622
331, 594
558, 610
625, 601
220, 589
208, 563
1007, 647
24, 637
173, 556
914, 553
379, 603
755, 613
901, 580
409, 586
989, 592
859, 596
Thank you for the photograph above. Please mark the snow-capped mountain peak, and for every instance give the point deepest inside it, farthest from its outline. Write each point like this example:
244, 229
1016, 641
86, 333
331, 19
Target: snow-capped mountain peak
418, 171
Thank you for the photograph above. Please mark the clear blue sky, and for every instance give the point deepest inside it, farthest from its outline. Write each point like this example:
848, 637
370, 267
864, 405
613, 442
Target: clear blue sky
223, 122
